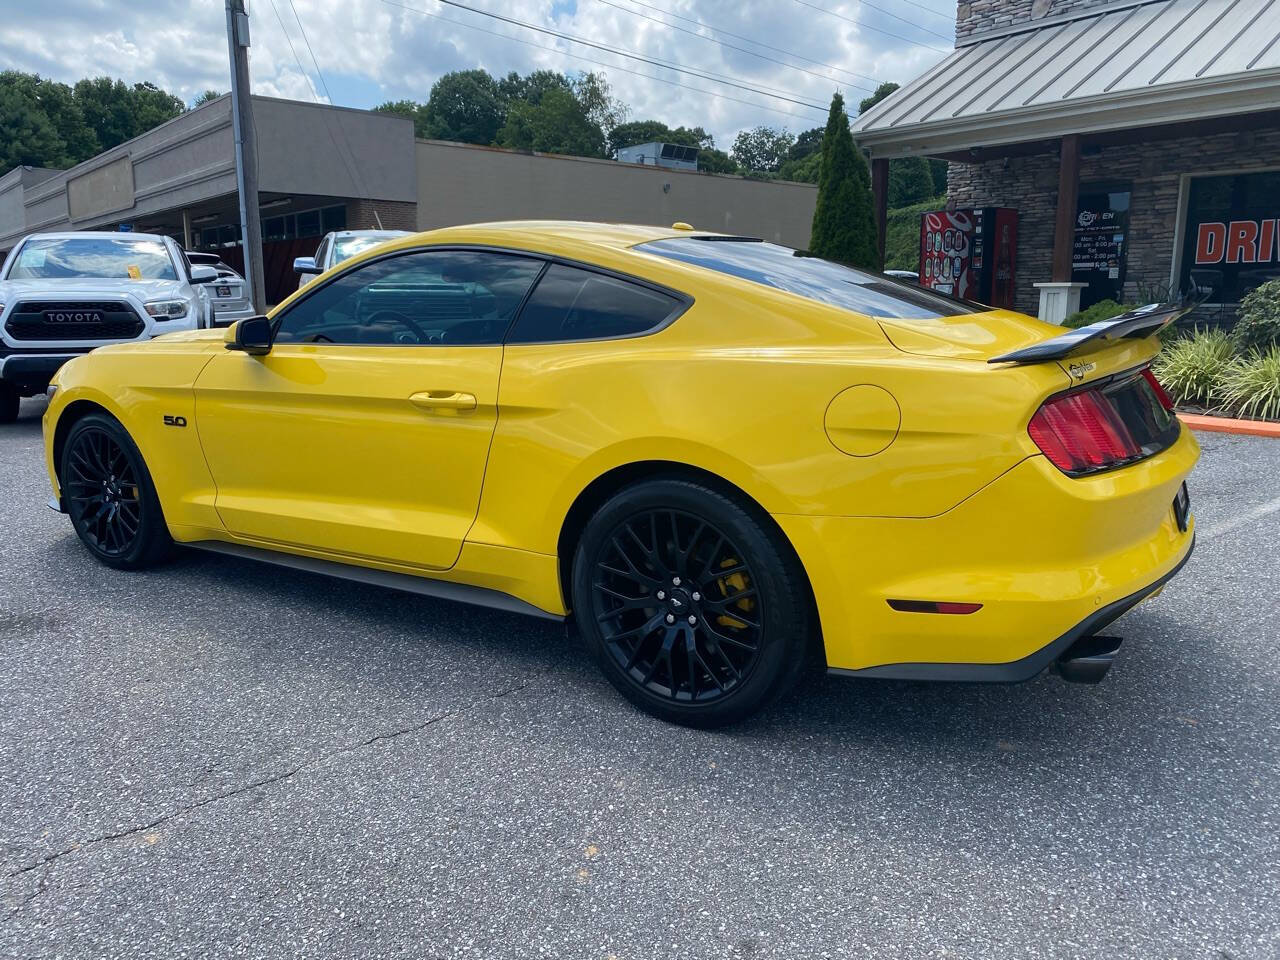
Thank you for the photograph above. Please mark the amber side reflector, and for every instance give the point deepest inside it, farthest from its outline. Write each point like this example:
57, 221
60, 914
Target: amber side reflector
933, 606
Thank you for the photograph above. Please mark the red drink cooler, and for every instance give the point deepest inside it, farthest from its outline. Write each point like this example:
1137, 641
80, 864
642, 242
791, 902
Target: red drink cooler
970, 253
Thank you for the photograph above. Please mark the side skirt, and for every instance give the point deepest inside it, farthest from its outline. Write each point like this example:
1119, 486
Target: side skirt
1029, 666
441, 589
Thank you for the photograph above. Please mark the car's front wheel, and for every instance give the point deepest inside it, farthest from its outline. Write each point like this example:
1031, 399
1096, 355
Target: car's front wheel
693, 604
109, 495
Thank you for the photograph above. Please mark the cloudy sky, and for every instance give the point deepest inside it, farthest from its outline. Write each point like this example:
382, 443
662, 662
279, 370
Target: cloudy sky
369, 51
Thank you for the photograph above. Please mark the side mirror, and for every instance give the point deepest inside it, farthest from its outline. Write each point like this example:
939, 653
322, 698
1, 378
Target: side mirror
203, 274
306, 265
252, 336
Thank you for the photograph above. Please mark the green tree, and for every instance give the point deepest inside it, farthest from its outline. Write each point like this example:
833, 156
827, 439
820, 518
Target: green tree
602, 108
557, 123
804, 170
881, 92
910, 181
711, 160
938, 169
28, 136
762, 148
843, 226
530, 88
464, 106
410, 109
116, 112
807, 143
205, 96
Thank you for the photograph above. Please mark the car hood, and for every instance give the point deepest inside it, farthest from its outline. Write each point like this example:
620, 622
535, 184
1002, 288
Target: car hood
48, 288
968, 336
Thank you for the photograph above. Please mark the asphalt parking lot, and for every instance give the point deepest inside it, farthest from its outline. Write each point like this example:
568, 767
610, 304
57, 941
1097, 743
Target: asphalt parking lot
227, 759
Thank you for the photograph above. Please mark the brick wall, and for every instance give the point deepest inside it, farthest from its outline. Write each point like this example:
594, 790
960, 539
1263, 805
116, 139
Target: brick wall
979, 16
1030, 184
394, 214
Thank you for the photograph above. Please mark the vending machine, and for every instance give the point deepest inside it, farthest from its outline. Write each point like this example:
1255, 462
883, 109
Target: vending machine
970, 253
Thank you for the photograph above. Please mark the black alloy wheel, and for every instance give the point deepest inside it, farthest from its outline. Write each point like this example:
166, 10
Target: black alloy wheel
108, 494
694, 606
677, 606
102, 493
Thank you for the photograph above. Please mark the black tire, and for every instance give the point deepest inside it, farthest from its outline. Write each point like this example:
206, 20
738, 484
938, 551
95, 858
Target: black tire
9, 402
668, 565
110, 497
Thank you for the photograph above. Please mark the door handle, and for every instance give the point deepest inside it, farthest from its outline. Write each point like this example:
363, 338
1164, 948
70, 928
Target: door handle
443, 400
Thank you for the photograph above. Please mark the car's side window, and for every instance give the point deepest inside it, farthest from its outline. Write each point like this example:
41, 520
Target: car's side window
448, 297
322, 251
574, 304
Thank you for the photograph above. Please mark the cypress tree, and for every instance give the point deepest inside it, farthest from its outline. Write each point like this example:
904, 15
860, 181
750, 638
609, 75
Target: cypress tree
843, 225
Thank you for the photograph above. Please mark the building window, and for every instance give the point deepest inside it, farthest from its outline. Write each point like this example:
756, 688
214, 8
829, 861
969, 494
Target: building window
309, 224
333, 218
1231, 243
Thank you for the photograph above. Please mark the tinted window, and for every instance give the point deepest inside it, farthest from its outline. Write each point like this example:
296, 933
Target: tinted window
573, 304
449, 297
822, 280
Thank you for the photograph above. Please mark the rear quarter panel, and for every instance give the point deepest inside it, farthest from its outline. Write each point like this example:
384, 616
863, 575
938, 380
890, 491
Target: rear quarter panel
740, 386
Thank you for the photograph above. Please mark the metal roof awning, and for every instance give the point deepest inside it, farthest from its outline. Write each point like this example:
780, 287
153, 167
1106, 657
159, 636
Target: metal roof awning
1136, 63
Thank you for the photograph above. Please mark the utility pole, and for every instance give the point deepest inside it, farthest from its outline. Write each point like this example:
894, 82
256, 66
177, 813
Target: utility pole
242, 127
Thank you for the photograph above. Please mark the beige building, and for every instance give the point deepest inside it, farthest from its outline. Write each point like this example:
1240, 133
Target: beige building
323, 168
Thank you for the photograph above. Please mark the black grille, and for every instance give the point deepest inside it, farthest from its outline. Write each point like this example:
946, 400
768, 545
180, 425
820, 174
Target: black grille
73, 320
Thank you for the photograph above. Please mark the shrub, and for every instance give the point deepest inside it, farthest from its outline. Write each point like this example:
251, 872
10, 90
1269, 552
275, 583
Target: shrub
1258, 326
1192, 368
1251, 386
1102, 310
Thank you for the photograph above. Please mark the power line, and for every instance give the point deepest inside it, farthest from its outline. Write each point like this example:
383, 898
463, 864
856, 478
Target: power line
738, 36
600, 63
888, 33
730, 46
631, 55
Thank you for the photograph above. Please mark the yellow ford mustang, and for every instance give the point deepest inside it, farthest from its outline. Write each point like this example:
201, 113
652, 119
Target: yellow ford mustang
712, 450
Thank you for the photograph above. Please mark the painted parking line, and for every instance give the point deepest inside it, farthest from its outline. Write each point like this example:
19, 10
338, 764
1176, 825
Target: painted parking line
1226, 526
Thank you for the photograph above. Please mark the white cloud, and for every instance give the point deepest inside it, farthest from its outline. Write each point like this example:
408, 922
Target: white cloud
374, 50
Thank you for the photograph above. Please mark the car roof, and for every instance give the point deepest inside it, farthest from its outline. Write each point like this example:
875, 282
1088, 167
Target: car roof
618, 236
93, 234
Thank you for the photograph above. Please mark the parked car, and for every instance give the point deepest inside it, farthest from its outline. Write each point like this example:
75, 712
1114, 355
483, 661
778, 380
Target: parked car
711, 451
229, 293
63, 294
338, 246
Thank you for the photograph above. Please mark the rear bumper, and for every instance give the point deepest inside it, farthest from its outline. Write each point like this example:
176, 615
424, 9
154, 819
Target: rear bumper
1029, 666
1048, 557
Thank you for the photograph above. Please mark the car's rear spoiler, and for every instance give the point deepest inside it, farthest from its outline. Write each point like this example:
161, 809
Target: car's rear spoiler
1142, 322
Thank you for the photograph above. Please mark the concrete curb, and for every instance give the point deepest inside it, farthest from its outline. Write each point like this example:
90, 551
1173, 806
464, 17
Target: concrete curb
1252, 428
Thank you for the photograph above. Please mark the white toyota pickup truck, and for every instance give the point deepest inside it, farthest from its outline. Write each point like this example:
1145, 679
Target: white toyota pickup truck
62, 294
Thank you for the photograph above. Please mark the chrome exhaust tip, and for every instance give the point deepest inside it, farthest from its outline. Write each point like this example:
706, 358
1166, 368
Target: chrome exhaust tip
1088, 659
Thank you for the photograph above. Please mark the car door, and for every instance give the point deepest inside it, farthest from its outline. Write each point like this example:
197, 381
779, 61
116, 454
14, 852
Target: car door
364, 432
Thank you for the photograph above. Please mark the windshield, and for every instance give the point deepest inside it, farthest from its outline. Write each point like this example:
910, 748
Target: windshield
127, 258
822, 280
346, 247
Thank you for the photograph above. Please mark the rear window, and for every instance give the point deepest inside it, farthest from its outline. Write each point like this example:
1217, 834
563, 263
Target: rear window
573, 304
807, 276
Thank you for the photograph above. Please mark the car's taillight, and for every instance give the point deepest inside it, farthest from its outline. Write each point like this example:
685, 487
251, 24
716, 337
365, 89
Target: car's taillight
1165, 400
1081, 432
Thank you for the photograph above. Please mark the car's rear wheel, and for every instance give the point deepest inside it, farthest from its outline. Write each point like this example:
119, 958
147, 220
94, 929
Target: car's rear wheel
9, 402
109, 495
695, 607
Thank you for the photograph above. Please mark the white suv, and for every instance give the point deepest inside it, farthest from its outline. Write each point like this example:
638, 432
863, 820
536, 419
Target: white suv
62, 294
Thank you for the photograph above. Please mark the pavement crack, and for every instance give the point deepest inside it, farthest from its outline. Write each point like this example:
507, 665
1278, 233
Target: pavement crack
48, 861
